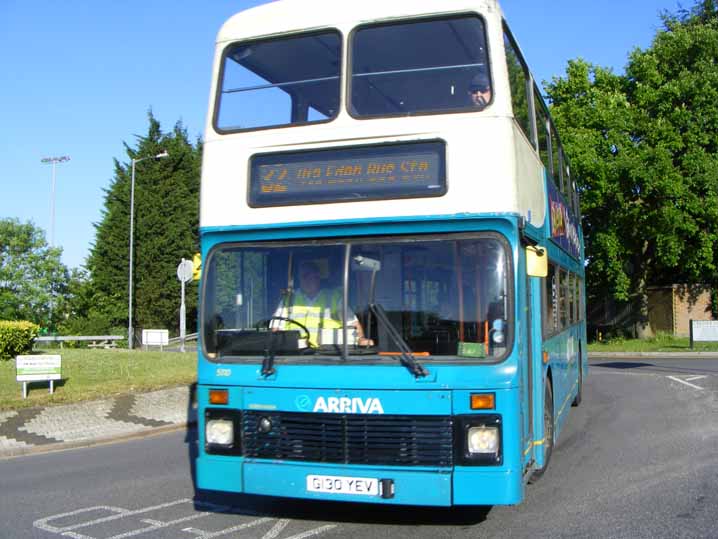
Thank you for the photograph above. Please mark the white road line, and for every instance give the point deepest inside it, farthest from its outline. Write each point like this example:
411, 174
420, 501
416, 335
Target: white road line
276, 529
210, 535
315, 531
675, 379
696, 377
119, 513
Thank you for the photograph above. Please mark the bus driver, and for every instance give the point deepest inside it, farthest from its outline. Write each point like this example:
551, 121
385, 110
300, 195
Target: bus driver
317, 309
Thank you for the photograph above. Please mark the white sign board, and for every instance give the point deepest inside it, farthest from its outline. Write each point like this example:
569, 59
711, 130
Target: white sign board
704, 330
155, 337
38, 368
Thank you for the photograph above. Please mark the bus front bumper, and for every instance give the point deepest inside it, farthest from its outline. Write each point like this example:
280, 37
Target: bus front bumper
431, 487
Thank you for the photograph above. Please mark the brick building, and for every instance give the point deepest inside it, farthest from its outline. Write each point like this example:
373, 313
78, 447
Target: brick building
671, 307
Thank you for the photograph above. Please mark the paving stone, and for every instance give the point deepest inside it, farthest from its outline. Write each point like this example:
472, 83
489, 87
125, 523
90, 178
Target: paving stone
87, 421
7, 444
169, 405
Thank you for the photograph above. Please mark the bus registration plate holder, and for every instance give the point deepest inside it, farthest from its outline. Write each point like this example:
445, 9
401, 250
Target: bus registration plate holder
331, 484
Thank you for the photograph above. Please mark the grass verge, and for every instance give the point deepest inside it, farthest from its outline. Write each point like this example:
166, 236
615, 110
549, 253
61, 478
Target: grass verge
97, 374
659, 343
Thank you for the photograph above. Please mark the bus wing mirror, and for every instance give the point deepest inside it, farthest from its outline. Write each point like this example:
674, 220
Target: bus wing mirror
536, 261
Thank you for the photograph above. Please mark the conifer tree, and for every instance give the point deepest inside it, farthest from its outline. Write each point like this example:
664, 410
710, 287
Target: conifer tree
165, 231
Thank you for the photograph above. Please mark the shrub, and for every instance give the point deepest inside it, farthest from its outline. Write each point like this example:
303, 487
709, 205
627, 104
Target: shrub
16, 338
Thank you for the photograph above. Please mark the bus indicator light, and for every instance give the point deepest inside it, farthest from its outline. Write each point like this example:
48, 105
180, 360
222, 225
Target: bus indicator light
218, 396
483, 401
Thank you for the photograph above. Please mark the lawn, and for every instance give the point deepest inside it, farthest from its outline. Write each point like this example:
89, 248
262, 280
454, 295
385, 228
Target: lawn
660, 343
95, 374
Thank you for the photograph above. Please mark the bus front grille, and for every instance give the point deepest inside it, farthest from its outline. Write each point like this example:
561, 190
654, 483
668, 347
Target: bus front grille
400, 440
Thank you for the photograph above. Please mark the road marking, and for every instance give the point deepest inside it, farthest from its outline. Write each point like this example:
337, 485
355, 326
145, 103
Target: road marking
244, 526
696, 377
311, 533
676, 379
276, 529
118, 513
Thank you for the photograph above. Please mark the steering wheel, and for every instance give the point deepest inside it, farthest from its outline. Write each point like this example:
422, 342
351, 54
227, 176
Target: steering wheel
307, 335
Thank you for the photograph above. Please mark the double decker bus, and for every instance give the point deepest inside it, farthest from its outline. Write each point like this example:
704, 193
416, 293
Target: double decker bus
399, 157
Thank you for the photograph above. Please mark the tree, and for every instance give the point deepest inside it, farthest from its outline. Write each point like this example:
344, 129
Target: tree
165, 230
643, 146
32, 277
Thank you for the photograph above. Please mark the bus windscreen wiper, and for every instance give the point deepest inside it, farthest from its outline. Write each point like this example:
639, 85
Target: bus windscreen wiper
269, 353
405, 353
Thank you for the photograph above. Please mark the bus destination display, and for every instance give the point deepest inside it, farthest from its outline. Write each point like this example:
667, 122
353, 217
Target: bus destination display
347, 174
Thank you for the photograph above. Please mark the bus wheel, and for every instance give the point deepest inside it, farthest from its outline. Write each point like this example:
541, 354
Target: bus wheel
579, 393
547, 432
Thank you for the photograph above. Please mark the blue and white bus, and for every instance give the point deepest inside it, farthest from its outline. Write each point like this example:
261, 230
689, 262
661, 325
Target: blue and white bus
398, 154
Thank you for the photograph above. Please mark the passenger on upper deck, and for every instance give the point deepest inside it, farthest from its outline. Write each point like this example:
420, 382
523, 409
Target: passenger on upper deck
480, 90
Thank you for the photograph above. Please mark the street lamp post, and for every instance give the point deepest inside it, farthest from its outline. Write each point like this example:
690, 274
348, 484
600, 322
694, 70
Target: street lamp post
130, 330
54, 161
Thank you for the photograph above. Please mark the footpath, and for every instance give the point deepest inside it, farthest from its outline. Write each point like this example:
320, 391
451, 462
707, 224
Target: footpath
35, 430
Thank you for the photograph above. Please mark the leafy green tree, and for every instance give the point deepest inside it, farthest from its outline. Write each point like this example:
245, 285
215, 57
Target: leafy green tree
32, 277
165, 230
643, 146
83, 309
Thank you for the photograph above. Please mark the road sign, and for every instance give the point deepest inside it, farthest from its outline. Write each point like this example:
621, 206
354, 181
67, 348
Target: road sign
155, 337
184, 274
38, 368
184, 271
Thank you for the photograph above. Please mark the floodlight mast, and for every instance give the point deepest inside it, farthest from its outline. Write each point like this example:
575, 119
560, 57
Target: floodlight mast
54, 161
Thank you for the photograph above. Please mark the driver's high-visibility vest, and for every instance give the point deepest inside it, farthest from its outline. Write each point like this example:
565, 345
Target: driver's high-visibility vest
323, 312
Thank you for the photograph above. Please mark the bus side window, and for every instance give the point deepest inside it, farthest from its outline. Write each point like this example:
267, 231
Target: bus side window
555, 164
542, 131
519, 83
550, 320
563, 299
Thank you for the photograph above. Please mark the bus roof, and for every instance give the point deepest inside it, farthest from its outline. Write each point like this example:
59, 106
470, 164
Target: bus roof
293, 15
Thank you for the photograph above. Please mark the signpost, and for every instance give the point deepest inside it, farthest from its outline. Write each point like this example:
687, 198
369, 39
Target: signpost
184, 274
155, 337
703, 331
38, 369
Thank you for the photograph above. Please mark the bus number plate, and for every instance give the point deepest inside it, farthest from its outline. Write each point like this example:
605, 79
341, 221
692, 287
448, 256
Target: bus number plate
331, 484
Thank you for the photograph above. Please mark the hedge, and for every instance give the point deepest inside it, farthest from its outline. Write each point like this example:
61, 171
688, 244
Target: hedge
16, 338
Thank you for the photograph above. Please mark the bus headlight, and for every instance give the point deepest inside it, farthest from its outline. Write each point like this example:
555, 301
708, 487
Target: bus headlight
483, 440
219, 432
479, 440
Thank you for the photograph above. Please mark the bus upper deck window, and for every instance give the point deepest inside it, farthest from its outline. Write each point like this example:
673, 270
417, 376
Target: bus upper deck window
420, 66
276, 82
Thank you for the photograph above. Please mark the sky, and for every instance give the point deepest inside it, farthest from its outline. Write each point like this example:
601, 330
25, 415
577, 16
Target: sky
78, 77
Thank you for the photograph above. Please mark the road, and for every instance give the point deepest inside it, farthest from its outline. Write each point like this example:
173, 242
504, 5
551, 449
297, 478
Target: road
639, 458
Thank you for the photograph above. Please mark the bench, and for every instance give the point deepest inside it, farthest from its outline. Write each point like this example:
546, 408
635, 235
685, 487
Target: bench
96, 341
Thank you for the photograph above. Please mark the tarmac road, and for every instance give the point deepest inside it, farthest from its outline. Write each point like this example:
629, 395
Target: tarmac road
639, 458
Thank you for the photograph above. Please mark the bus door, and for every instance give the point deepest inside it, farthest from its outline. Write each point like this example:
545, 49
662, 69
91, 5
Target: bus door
529, 355
535, 276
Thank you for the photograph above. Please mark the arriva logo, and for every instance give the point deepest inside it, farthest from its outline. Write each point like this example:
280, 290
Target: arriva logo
345, 405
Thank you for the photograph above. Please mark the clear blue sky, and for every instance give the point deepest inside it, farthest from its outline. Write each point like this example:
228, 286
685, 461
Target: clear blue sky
79, 76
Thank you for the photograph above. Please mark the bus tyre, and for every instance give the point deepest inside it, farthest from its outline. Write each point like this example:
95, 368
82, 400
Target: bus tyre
547, 432
579, 393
